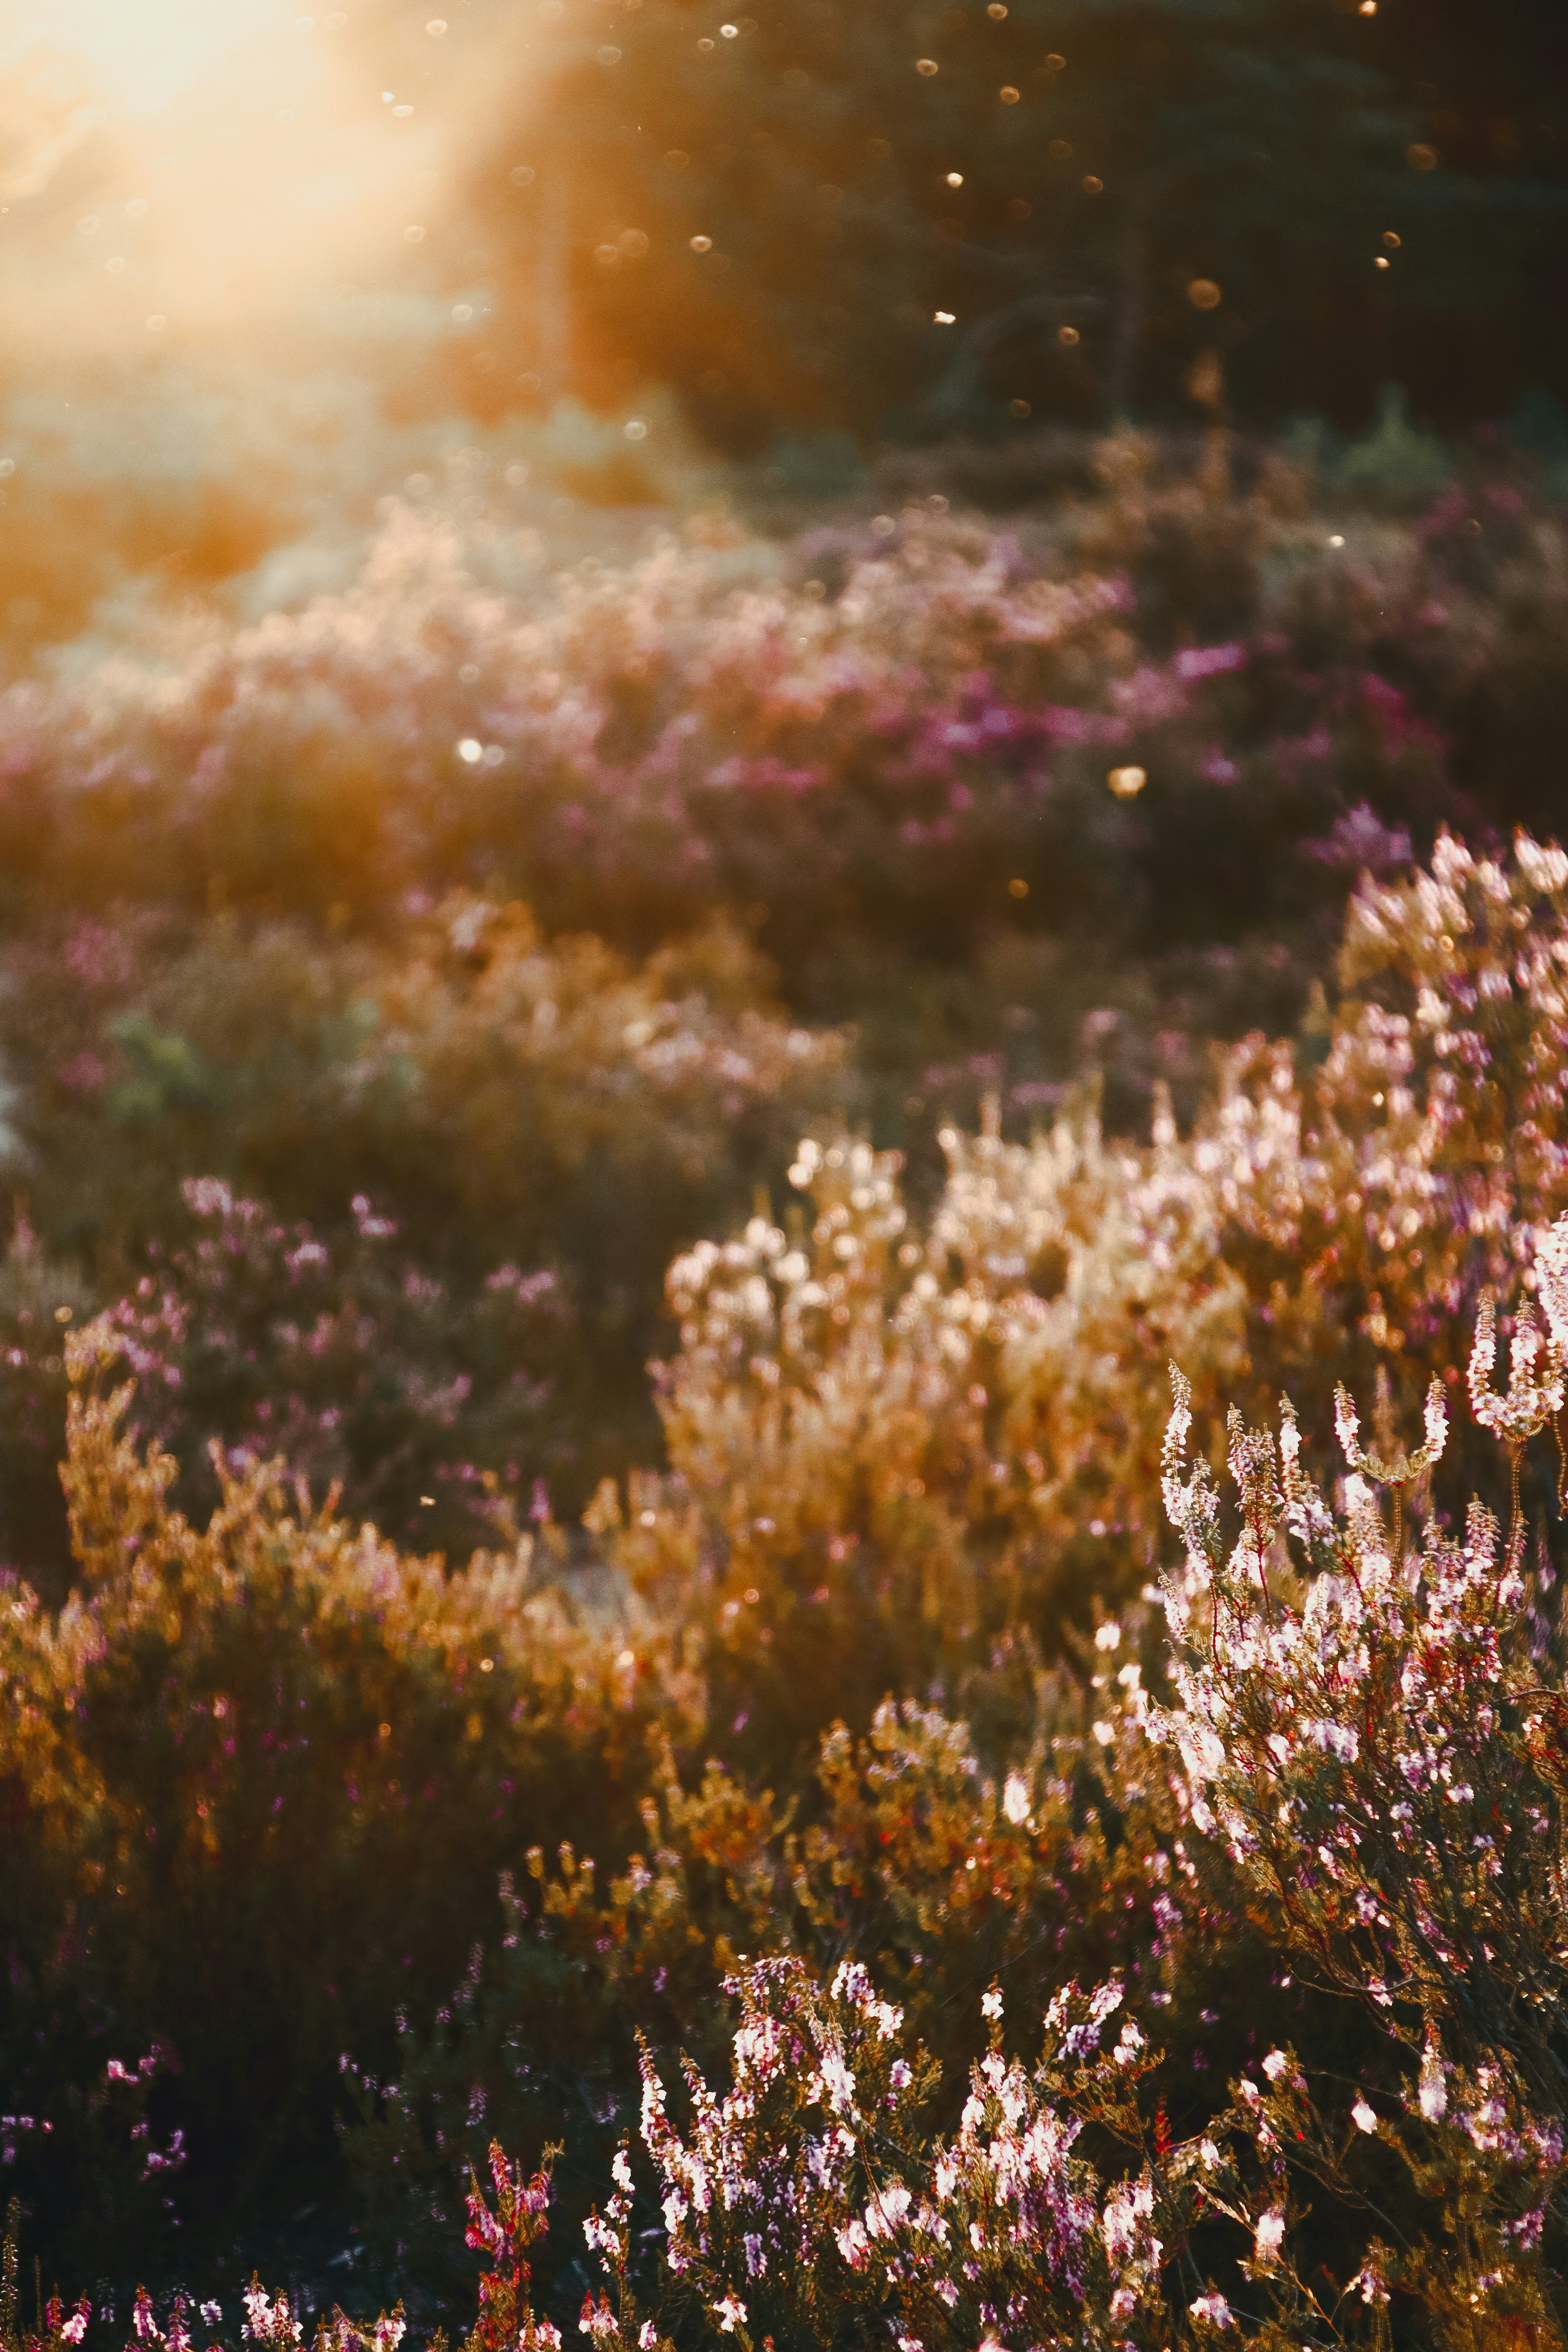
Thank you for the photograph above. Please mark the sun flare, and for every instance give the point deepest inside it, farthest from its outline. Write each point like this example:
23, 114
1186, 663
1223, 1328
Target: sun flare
146, 52
174, 170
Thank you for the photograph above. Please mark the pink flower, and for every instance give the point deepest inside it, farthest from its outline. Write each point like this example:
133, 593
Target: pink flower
1269, 2236
1212, 2309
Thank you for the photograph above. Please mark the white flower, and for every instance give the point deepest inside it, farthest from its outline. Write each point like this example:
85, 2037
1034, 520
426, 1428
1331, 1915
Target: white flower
1434, 2090
731, 2311
853, 2244
1268, 2235
885, 2210
1129, 2046
1214, 2308
1362, 2117
1369, 2278
991, 2003
1016, 1799
1274, 2065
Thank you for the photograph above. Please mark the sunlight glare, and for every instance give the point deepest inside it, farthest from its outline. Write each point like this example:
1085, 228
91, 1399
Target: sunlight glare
142, 52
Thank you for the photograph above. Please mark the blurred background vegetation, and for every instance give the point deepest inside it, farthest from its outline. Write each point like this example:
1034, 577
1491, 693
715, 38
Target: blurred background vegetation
588, 591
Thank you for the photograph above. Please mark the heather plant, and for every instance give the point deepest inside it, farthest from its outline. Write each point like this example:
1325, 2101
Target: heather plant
465, 1044
364, 1201
58, 2324
1357, 1776
1367, 1701
888, 1449
1377, 1185
893, 1438
869, 731
274, 1742
906, 1850
1340, 1775
812, 1383
914, 1450
362, 1373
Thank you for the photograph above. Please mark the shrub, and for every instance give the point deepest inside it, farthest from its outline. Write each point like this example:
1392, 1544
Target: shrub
1362, 1760
891, 1440
260, 1779
869, 736
856, 1691
424, 1276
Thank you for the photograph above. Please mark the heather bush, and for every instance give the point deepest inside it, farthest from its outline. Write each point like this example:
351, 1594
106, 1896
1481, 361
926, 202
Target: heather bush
1357, 1785
893, 1440
479, 1073
941, 1868
356, 1370
260, 1777
1328, 1809
364, 1173
869, 731
366, 1202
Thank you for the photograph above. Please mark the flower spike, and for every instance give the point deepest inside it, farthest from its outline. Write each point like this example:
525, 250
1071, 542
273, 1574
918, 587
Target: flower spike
1529, 1401
1404, 1468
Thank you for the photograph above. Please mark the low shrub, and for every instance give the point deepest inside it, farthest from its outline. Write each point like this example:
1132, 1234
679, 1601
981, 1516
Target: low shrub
260, 1777
365, 1203
1360, 1768
873, 1666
